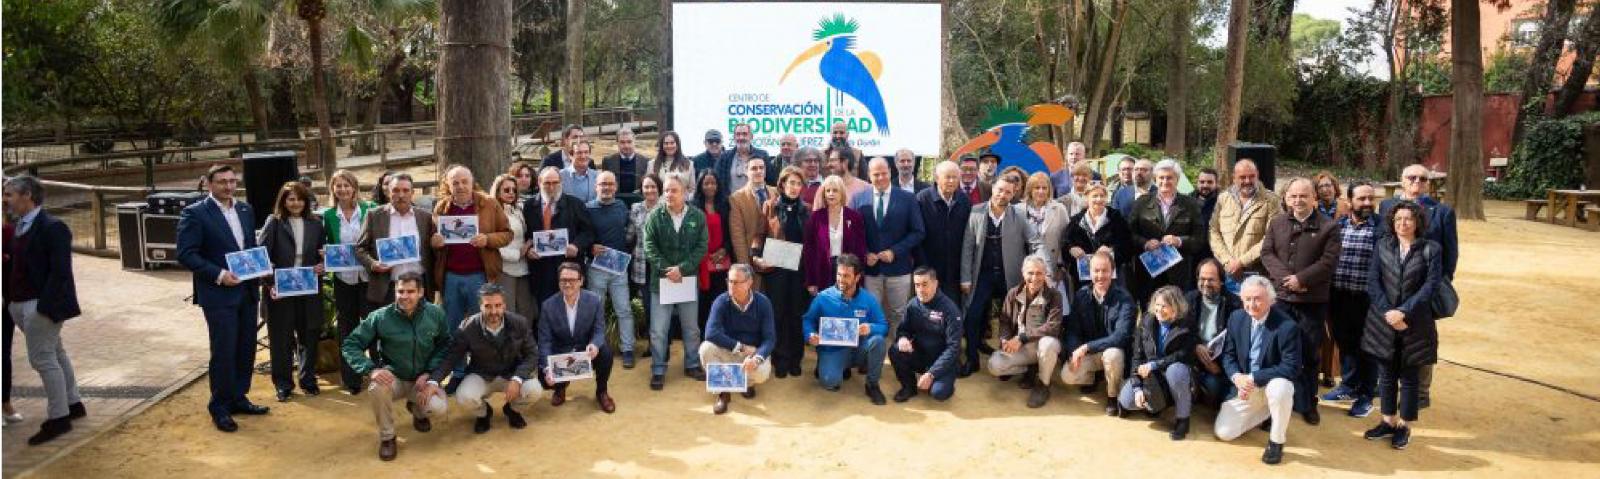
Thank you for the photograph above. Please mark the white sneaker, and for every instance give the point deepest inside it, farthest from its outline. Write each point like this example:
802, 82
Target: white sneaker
13, 418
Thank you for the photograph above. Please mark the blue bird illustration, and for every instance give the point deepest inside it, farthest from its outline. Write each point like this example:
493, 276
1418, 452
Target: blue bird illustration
853, 73
1007, 138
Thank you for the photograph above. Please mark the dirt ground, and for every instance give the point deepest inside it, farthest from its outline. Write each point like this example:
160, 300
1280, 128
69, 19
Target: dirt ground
1529, 300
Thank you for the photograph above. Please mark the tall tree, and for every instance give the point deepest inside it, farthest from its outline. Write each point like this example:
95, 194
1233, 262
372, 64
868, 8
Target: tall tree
232, 31
1541, 69
1232, 84
1099, 107
1180, 20
572, 108
949, 115
475, 85
1465, 182
663, 81
1587, 46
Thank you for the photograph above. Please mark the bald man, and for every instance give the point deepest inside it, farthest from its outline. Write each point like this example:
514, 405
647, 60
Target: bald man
463, 267
894, 231
1239, 223
1300, 253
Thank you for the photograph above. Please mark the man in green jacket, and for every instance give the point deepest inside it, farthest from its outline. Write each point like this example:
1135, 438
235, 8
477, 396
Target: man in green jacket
414, 340
674, 243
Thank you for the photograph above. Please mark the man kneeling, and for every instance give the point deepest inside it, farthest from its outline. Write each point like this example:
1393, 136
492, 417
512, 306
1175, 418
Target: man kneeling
412, 340
740, 330
924, 356
502, 357
1261, 355
1030, 321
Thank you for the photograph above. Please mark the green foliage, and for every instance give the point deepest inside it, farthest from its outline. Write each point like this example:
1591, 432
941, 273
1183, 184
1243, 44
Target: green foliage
1312, 37
1139, 151
1550, 156
45, 44
1505, 70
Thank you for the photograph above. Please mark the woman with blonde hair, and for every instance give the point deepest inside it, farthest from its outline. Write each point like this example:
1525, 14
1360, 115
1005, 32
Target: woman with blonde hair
1046, 222
514, 277
342, 225
833, 229
1329, 203
1163, 355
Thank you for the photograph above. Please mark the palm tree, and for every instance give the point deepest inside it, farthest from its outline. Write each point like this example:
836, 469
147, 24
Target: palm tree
234, 31
312, 12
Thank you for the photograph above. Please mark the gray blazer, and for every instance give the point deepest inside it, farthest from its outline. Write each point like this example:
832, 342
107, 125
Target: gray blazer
1014, 245
377, 226
1056, 219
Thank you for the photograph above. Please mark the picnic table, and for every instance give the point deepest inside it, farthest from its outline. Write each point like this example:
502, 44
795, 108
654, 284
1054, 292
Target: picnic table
1568, 204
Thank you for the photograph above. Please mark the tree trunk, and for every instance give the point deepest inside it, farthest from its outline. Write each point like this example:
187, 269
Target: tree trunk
1178, 80
555, 90
664, 81
1465, 183
1233, 86
282, 118
258, 105
954, 135
1542, 66
1587, 45
573, 113
1099, 105
474, 86
313, 11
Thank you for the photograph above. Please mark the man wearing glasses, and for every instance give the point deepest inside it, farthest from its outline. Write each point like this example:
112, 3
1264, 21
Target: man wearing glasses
740, 330
1415, 186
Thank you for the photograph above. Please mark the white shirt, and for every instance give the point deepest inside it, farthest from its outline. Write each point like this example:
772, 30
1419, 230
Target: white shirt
494, 331
835, 239
401, 225
26, 222
677, 218
349, 233
297, 226
572, 316
511, 260
232, 216
883, 198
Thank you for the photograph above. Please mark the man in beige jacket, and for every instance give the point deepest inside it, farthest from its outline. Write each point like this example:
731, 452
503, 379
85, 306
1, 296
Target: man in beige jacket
1239, 223
748, 220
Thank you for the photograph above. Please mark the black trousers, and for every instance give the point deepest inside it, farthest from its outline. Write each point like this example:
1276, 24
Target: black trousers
602, 368
294, 325
787, 291
908, 366
350, 303
1347, 314
1310, 317
1399, 387
986, 289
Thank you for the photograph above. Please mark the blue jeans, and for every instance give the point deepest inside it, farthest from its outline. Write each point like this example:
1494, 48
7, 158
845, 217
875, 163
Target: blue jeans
661, 324
616, 285
832, 360
460, 297
1216, 386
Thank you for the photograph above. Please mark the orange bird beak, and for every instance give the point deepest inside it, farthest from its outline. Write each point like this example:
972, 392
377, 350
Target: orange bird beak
986, 139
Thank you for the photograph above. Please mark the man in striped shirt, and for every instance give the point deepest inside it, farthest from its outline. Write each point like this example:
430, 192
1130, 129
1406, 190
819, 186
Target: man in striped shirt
1358, 235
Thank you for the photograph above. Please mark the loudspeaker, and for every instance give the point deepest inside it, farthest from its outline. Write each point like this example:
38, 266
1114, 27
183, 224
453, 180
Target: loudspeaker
264, 173
130, 235
1265, 157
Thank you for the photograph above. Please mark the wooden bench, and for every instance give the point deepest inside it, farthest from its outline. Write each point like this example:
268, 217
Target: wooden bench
1533, 208
1592, 217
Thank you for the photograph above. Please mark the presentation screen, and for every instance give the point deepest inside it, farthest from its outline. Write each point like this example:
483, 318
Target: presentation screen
797, 68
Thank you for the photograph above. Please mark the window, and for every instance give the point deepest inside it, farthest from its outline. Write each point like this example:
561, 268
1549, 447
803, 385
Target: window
1525, 33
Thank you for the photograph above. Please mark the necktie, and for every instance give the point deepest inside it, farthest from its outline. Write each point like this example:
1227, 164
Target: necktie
1255, 348
880, 207
547, 212
761, 194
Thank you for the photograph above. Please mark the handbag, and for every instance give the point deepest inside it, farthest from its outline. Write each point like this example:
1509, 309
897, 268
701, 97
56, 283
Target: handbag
1445, 301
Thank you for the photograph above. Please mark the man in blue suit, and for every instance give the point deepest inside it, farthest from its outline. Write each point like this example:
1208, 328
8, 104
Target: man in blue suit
571, 321
1141, 185
207, 232
1261, 355
894, 231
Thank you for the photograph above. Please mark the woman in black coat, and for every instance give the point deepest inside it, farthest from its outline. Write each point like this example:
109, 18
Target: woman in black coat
293, 238
1400, 333
1163, 363
1098, 227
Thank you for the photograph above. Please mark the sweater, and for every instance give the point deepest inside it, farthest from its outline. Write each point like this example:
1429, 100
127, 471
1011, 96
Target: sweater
729, 327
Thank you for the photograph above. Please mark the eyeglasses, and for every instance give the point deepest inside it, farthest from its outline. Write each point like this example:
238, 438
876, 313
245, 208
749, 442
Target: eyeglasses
1412, 178
569, 280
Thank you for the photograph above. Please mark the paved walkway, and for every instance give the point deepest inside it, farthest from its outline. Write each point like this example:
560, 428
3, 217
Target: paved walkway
138, 341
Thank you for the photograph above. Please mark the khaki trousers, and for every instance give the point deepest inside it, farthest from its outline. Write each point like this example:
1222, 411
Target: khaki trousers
1110, 361
474, 392
1236, 416
1045, 352
383, 404
711, 353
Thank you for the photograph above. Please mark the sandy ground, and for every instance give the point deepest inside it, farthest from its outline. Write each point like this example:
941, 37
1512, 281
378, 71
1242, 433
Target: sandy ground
1483, 424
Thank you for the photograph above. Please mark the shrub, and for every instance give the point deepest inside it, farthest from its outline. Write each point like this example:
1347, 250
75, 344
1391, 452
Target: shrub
1549, 156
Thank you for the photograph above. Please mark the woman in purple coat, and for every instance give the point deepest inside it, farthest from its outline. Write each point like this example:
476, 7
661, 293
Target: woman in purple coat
840, 230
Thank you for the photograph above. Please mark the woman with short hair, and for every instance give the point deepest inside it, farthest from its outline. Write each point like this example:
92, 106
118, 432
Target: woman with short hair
1400, 332
1163, 360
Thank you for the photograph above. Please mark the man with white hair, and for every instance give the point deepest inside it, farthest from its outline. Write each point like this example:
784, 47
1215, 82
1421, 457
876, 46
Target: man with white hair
1441, 228
905, 172
1239, 222
943, 208
1261, 355
1030, 322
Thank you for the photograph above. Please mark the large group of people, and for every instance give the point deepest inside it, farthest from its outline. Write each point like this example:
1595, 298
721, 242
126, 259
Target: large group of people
1036, 277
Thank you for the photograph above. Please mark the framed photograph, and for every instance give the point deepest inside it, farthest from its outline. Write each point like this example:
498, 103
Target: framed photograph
1161, 259
295, 281
726, 378
839, 331
249, 264
781, 254
458, 229
401, 250
338, 258
550, 243
612, 261
570, 367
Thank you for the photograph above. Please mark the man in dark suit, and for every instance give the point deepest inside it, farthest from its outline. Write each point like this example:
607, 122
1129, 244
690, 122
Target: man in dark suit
629, 166
1261, 356
1300, 253
562, 158
207, 232
552, 210
1210, 306
894, 228
905, 172
974, 188
397, 219
731, 167
943, 209
42, 295
574, 321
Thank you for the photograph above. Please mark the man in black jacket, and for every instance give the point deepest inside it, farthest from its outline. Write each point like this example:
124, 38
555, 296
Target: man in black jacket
562, 158
925, 348
629, 166
502, 353
1210, 306
1261, 356
551, 210
1099, 333
41, 295
944, 209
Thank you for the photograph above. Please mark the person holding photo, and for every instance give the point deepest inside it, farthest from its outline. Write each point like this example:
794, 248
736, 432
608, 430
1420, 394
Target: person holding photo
786, 220
610, 217
846, 299
674, 243
462, 268
398, 219
341, 224
1099, 228
574, 321
552, 210
740, 331
1210, 305
294, 324
1166, 218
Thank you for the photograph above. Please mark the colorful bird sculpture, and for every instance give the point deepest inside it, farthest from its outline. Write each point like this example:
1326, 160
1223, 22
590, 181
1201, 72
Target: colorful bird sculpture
853, 73
1008, 135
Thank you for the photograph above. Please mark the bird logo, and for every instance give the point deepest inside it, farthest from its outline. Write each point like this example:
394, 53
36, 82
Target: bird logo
1006, 137
850, 72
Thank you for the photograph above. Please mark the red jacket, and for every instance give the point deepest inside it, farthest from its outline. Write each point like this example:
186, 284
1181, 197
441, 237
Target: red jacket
815, 261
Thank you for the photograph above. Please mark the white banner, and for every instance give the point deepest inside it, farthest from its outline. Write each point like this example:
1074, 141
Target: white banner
799, 67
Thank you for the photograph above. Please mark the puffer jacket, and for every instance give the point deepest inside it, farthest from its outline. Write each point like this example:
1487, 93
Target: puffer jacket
1407, 285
